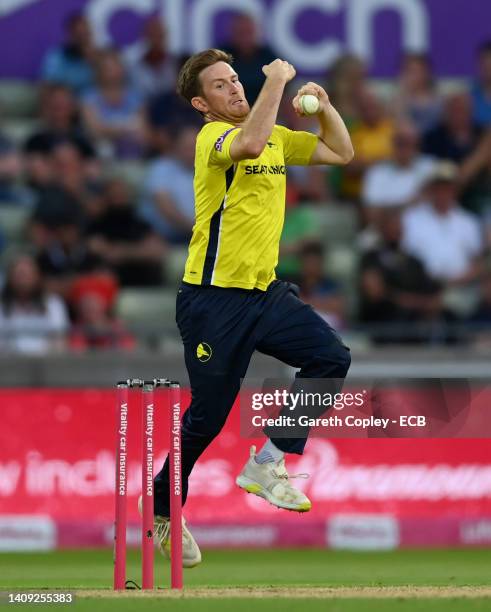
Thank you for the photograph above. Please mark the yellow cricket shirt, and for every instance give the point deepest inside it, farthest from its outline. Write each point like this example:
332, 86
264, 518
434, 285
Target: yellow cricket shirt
240, 207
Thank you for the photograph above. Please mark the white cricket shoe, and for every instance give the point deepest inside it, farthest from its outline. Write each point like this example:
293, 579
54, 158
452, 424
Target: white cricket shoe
272, 482
191, 554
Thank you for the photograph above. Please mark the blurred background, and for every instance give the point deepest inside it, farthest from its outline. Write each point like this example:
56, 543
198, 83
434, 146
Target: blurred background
96, 210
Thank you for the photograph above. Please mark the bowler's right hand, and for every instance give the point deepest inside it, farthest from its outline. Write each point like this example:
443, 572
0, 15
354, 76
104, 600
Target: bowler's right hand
280, 69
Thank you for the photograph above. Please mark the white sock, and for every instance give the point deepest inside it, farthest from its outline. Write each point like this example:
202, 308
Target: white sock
269, 453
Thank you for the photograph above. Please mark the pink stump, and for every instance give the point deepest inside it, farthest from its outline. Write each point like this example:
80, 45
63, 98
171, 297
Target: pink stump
121, 486
147, 485
175, 485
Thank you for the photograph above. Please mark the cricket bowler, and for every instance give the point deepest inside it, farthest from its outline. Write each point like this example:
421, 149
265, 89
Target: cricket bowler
230, 303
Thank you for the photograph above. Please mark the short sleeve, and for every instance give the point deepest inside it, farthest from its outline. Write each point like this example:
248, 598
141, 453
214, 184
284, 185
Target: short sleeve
57, 314
298, 147
371, 192
215, 141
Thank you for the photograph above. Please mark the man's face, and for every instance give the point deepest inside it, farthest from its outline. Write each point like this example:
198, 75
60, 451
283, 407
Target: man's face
370, 108
222, 96
485, 67
111, 70
79, 31
117, 195
391, 227
155, 34
68, 162
405, 143
59, 108
442, 195
244, 34
459, 111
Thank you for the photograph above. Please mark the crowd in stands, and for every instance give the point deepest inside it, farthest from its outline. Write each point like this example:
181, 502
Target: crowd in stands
105, 182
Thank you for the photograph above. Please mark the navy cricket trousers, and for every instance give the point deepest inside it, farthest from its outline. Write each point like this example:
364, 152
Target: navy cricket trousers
230, 324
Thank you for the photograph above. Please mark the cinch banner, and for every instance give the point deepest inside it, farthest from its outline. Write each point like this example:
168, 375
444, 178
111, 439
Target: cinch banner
309, 33
57, 483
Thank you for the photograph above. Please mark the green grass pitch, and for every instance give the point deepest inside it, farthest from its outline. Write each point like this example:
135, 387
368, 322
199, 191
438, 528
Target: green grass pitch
268, 580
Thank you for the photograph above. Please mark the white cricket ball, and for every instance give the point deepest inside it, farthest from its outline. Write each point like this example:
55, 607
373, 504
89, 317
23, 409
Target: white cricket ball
309, 104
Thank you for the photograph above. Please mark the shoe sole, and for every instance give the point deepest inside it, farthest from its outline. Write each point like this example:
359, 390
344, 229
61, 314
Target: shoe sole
251, 486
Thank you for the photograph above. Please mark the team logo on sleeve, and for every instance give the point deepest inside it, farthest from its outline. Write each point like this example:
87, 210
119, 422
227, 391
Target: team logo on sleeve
203, 352
220, 140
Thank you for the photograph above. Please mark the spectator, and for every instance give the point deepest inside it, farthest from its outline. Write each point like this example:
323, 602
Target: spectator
127, 244
372, 138
396, 290
475, 180
61, 123
65, 188
38, 173
113, 110
397, 182
71, 64
456, 136
165, 114
11, 192
65, 256
96, 329
74, 173
168, 205
446, 238
316, 289
32, 320
346, 82
93, 298
481, 91
417, 99
63, 184
249, 54
152, 68
54, 208
100, 282
65, 169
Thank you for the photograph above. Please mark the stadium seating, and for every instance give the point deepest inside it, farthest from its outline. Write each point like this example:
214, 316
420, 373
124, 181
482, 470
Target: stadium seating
13, 221
462, 301
18, 130
18, 99
147, 307
174, 264
337, 223
133, 172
